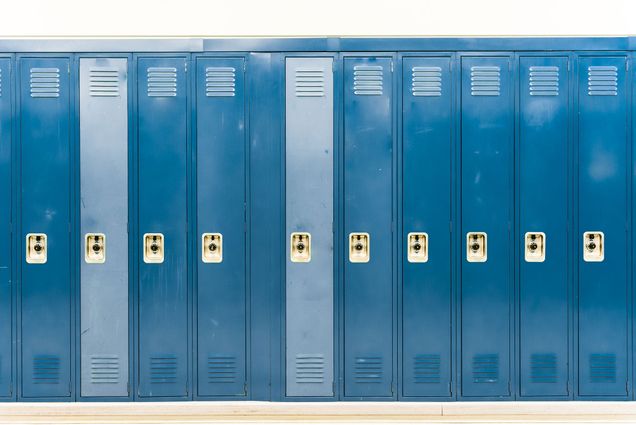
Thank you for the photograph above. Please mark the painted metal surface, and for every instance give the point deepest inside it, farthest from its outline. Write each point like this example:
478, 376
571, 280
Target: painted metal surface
221, 291
368, 208
427, 149
603, 289
6, 255
486, 184
103, 123
544, 206
45, 291
309, 147
163, 322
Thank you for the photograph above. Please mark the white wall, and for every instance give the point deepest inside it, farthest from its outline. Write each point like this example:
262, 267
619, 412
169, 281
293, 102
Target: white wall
82, 18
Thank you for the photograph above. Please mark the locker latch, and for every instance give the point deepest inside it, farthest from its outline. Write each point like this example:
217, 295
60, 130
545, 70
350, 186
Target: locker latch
153, 248
95, 248
417, 247
476, 247
300, 248
535, 247
593, 247
359, 247
36, 250
212, 247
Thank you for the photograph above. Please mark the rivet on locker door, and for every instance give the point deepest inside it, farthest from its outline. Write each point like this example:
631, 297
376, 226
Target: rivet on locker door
476, 247
95, 248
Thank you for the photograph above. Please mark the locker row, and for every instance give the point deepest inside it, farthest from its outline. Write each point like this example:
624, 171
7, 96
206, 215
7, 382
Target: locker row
316, 226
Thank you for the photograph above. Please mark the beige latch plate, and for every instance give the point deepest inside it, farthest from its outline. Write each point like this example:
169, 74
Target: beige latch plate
36, 248
417, 247
535, 247
153, 248
212, 248
476, 247
359, 247
300, 247
95, 248
593, 247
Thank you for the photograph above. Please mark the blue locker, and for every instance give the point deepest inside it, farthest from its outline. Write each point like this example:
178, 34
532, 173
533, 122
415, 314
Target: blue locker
45, 214
603, 285
368, 211
221, 320
544, 206
162, 125
6, 257
486, 213
427, 149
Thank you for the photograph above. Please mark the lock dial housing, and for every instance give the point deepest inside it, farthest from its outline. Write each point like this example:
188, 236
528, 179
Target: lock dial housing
95, 248
476, 247
300, 247
212, 248
36, 248
359, 247
153, 248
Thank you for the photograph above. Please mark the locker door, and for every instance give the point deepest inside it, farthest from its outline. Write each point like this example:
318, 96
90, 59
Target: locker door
543, 225
602, 207
6, 316
426, 185
44, 204
221, 285
163, 278
368, 279
487, 149
104, 226
309, 214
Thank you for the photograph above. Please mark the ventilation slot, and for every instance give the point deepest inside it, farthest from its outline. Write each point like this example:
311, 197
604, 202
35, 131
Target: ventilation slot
485, 80
221, 369
310, 369
104, 82
46, 370
220, 82
427, 369
603, 368
486, 368
367, 80
544, 81
543, 369
45, 82
602, 81
310, 83
368, 370
426, 81
163, 370
162, 82
105, 369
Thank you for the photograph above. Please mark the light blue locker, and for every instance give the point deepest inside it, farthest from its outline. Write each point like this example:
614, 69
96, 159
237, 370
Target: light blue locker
487, 124
103, 234
309, 148
221, 301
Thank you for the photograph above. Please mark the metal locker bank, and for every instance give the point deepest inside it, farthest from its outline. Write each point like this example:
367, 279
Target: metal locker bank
317, 219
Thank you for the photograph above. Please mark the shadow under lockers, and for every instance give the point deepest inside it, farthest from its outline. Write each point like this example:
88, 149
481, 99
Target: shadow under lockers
454, 225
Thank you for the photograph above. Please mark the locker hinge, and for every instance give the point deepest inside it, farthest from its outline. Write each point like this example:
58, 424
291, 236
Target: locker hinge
68, 68
627, 387
70, 387
333, 69
244, 388
11, 389
392, 388
509, 388
244, 66
333, 388
568, 62
450, 388
391, 66
128, 388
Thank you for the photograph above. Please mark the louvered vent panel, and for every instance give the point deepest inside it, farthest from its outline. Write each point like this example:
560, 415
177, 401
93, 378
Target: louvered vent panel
543, 369
368, 370
220, 81
426, 369
46, 370
162, 82
45, 82
602, 81
310, 83
426, 81
310, 368
163, 370
221, 369
485, 368
485, 80
103, 82
603, 368
544, 81
104, 369
368, 80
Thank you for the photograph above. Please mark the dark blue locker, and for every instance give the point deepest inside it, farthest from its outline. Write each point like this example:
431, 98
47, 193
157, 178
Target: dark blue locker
602, 209
368, 284
6, 316
163, 277
486, 178
45, 214
221, 285
427, 139
543, 225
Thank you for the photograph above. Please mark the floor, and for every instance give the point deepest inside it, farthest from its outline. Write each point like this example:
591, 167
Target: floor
316, 413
